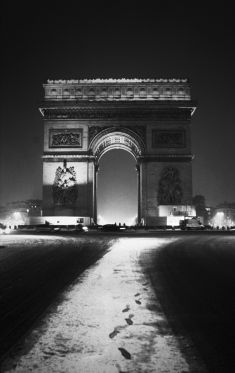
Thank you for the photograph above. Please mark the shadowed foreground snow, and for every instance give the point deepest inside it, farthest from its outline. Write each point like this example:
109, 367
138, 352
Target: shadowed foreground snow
109, 321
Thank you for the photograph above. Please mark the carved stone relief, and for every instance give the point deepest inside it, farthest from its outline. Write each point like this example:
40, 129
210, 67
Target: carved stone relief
65, 186
169, 188
65, 138
168, 138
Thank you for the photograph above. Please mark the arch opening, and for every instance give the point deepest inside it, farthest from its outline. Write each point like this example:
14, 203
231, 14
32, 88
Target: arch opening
117, 187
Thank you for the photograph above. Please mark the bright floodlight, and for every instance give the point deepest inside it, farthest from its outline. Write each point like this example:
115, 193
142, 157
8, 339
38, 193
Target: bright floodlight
17, 215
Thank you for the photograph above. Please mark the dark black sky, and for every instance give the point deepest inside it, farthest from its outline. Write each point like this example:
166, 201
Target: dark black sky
115, 39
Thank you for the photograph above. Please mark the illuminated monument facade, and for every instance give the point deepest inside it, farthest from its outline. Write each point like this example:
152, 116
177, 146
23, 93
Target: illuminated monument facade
150, 118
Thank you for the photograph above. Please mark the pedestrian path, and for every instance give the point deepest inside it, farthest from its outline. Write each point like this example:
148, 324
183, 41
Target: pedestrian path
108, 321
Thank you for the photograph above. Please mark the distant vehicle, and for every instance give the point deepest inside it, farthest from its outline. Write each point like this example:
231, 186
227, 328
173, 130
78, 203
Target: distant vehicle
191, 224
110, 228
81, 228
70, 228
208, 227
44, 228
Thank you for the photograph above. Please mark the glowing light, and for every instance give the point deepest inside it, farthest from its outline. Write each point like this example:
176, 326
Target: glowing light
132, 220
17, 215
174, 220
219, 219
101, 220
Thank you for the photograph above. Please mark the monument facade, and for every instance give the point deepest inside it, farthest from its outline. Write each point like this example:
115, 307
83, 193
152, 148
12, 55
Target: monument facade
149, 118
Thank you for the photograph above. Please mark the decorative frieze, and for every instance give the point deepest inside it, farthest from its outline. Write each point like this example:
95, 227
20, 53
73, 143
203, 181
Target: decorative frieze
117, 113
168, 138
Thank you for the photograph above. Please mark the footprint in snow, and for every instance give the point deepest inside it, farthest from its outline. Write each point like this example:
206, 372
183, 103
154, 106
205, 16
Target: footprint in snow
125, 353
129, 321
126, 309
114, 333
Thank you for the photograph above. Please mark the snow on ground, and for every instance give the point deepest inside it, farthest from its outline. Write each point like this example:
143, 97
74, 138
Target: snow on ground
104, 323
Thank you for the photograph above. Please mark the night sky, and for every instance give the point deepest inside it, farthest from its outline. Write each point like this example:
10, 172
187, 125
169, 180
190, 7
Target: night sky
114, 40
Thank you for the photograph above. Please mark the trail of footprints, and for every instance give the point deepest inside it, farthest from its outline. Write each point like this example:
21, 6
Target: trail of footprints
126, 354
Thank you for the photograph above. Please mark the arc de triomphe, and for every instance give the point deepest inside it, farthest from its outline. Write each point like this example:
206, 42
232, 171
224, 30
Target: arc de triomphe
83, 119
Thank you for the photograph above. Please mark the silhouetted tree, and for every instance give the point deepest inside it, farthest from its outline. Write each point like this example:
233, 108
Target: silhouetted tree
200, 205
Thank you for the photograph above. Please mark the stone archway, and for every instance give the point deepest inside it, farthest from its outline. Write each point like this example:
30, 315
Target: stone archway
84, 119
116, 138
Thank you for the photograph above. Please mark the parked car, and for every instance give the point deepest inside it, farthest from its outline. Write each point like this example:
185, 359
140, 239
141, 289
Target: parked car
110, 228
191, 224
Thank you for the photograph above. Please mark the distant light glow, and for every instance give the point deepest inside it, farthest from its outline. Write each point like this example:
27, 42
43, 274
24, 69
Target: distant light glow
101, 220
17, 218
222, 220
132, 220
16, 215
174, 220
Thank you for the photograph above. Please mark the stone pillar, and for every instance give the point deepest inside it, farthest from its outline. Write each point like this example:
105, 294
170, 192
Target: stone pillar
96, 169
138, 194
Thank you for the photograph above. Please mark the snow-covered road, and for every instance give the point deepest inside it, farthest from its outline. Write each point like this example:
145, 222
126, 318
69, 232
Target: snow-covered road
108, 321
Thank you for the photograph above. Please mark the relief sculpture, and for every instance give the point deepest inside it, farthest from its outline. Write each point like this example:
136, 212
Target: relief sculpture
65, 186
169, 188
72, 138
168, 139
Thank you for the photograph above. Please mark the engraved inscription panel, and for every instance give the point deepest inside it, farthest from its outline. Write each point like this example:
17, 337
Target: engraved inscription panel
168, 138
65, 138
